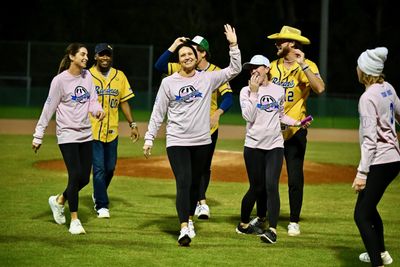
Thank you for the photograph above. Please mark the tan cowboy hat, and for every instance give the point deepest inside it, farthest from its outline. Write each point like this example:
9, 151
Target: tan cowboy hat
290, 33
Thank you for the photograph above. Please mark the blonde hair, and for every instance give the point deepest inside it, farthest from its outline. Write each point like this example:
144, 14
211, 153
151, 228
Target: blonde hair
369, 79
72, 49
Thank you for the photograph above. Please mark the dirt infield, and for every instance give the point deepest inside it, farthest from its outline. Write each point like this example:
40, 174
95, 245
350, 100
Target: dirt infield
227, 166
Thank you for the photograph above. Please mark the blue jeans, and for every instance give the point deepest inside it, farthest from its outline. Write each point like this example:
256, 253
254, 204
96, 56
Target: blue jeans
104, 161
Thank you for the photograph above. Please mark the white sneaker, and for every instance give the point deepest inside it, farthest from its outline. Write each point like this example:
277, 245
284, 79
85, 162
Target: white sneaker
192, 233
57, 209
204, 212
76, 227
197, 210
103, 213
293, 229
184, 239
386, 259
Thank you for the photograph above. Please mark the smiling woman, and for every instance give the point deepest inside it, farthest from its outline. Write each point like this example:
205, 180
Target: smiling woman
185, 97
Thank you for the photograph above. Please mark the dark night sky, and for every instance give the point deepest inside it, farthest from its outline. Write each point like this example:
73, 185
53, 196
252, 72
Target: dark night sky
353, 27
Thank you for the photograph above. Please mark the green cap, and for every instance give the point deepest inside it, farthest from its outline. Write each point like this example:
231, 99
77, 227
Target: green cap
200, 41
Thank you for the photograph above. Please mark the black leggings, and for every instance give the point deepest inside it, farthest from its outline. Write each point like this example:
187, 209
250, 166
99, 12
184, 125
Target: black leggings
187, 163
263, 170
78, 160
366, 215
295, 149
205, 178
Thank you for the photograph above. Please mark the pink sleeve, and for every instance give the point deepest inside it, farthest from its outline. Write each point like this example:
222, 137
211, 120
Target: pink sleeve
49, 108
248, 104
94, 105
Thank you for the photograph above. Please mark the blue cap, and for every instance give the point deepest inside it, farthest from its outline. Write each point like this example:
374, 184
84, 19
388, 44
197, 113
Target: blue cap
103, 47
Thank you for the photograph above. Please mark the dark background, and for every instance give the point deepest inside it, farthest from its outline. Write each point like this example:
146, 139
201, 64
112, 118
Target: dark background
353, 27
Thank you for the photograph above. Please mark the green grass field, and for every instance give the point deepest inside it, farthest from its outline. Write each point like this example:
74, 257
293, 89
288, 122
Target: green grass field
143, 228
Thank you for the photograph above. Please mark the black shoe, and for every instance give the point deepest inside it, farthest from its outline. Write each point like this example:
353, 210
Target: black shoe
250, 230
258, 222
268, 237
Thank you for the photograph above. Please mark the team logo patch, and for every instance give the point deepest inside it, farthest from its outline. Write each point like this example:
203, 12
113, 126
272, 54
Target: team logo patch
81, 95
187, 94
268, 103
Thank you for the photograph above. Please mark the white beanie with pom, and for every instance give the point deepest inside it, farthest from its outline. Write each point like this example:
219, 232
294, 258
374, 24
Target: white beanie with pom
371, 61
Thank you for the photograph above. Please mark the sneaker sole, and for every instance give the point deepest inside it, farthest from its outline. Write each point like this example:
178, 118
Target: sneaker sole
266, 239
293, 234
203, 217
103, 217
185, 241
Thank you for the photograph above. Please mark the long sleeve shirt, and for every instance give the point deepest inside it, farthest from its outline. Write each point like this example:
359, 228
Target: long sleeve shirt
72, 98
379, 108
186, 101
263, 112
162, 64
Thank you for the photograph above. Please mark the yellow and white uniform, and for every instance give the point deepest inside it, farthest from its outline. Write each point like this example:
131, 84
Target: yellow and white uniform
297, 88
225, 88
111, 90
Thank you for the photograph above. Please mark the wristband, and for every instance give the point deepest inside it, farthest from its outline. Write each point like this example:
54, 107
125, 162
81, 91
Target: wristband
133, 125
305, 68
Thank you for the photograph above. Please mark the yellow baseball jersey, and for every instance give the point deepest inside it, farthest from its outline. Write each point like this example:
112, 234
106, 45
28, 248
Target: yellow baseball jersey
225, 88
111, 91
297, 88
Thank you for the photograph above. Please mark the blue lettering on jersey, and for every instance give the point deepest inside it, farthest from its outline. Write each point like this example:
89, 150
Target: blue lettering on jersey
107, 91
286, 84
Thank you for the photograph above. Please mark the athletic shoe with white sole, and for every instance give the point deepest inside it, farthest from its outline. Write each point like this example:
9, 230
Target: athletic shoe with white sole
184, 239
192, 233
268, 237
197, 210
293, 229
76, 227
250, 230
204, 212
103, 213
258, 222
386, 258
57, 209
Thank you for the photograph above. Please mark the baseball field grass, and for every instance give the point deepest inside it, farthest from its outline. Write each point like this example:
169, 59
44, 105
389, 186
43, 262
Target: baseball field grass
143, 228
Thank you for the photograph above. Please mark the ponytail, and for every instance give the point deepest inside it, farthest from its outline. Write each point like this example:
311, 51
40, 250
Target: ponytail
72, 49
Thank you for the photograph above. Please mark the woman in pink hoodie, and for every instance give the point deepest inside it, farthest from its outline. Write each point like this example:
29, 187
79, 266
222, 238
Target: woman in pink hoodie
72, 96
379, 109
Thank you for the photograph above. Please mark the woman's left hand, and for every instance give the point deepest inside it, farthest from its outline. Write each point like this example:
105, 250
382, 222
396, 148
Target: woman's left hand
230, 34
359, 184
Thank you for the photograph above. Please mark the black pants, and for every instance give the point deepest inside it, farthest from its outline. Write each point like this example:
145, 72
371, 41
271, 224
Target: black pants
187, 163
366, 215
78, 160
205, 178
295, 150
263, 170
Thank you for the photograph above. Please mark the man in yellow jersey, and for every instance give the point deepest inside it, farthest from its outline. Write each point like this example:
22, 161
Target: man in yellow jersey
298, 76
113, 91
203, 52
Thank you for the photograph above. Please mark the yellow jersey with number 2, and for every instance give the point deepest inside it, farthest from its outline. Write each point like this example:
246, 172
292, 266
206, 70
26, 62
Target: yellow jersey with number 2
297, 90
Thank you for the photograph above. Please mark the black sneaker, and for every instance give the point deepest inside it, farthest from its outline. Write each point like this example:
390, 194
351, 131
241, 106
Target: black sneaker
268, 237
250, 230
258, 222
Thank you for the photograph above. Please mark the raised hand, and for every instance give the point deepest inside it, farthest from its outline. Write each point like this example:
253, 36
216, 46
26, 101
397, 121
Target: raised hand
230, 34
